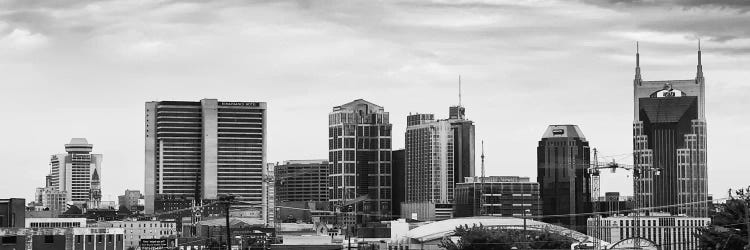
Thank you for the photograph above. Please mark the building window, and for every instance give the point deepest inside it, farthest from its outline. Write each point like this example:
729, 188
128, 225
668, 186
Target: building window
99, 238
109, 238
9, 239
49, 239
119, 237
79, 238
89, 238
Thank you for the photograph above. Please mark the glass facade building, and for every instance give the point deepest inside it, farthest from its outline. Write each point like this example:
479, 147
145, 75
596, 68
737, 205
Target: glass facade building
359, 143
562, 163
669, 134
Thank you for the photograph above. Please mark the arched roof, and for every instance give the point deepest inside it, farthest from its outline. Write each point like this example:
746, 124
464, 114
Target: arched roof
440, 229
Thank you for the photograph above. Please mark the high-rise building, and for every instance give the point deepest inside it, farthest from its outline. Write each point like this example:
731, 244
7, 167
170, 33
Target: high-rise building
508, 196
201, 150
77, 173
269, 194
562, 163
669, 135
302, 180
439, 154
359, 143
398, 176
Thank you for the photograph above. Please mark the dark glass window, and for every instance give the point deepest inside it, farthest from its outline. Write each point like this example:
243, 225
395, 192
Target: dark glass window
79, 238
10, 239
89, 238
48, 239
99, 238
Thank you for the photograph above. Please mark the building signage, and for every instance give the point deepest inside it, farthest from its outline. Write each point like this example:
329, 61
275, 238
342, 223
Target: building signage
153, 243
248, 104
558, 131
669, 93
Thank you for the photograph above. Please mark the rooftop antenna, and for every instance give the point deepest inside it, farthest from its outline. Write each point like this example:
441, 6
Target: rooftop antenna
699, 74
459, 90
637, 79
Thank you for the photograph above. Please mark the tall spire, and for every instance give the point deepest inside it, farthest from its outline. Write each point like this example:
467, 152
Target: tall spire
699, 74
637, 63
459, 90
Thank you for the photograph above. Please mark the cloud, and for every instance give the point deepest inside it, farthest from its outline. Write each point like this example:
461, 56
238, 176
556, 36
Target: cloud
740, 5
20, 40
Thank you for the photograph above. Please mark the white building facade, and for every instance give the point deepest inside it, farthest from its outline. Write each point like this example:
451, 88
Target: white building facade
668, 232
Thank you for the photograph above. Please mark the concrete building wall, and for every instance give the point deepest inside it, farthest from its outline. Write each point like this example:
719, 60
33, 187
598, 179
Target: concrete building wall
12, 212
201, 150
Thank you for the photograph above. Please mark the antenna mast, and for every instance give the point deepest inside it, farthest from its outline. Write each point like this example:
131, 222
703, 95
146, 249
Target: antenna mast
459, 90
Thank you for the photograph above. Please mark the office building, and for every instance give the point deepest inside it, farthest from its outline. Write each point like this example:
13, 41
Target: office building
12, 212
564, 185
77, 173
135, 231
302, 180
661, 229
669, 135
61, 238
359, 143
504, 196
439, 154
130, 200
202, 150
269, 194
398, 180
612, 204
55, 200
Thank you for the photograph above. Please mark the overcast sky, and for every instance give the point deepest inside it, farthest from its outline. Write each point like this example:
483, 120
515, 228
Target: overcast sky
75, 68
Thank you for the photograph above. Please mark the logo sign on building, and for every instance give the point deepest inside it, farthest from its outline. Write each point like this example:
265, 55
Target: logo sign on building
153, 243
669, 93
249, 104
558, 131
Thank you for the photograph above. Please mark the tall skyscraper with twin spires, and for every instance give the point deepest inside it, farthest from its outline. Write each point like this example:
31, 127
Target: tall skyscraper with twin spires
669, 135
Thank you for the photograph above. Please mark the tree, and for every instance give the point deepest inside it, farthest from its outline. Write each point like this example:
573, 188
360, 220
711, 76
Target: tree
481, 238
728, 228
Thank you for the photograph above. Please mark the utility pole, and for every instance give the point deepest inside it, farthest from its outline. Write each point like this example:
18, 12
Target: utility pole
482, 210
227, 202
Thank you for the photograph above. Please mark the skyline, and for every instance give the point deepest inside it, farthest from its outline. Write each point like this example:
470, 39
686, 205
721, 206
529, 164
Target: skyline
79, 69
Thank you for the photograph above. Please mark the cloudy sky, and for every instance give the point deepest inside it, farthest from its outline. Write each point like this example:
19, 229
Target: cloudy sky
76, 68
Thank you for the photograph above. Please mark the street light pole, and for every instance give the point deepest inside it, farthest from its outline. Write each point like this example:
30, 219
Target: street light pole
524, 220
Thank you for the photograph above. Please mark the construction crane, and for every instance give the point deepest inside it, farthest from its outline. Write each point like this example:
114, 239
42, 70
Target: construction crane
594, 170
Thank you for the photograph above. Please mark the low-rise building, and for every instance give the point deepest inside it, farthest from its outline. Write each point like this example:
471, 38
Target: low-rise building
131, 200
12, 212
61, 238
55, 222
661, 229
134, 231
505, 196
